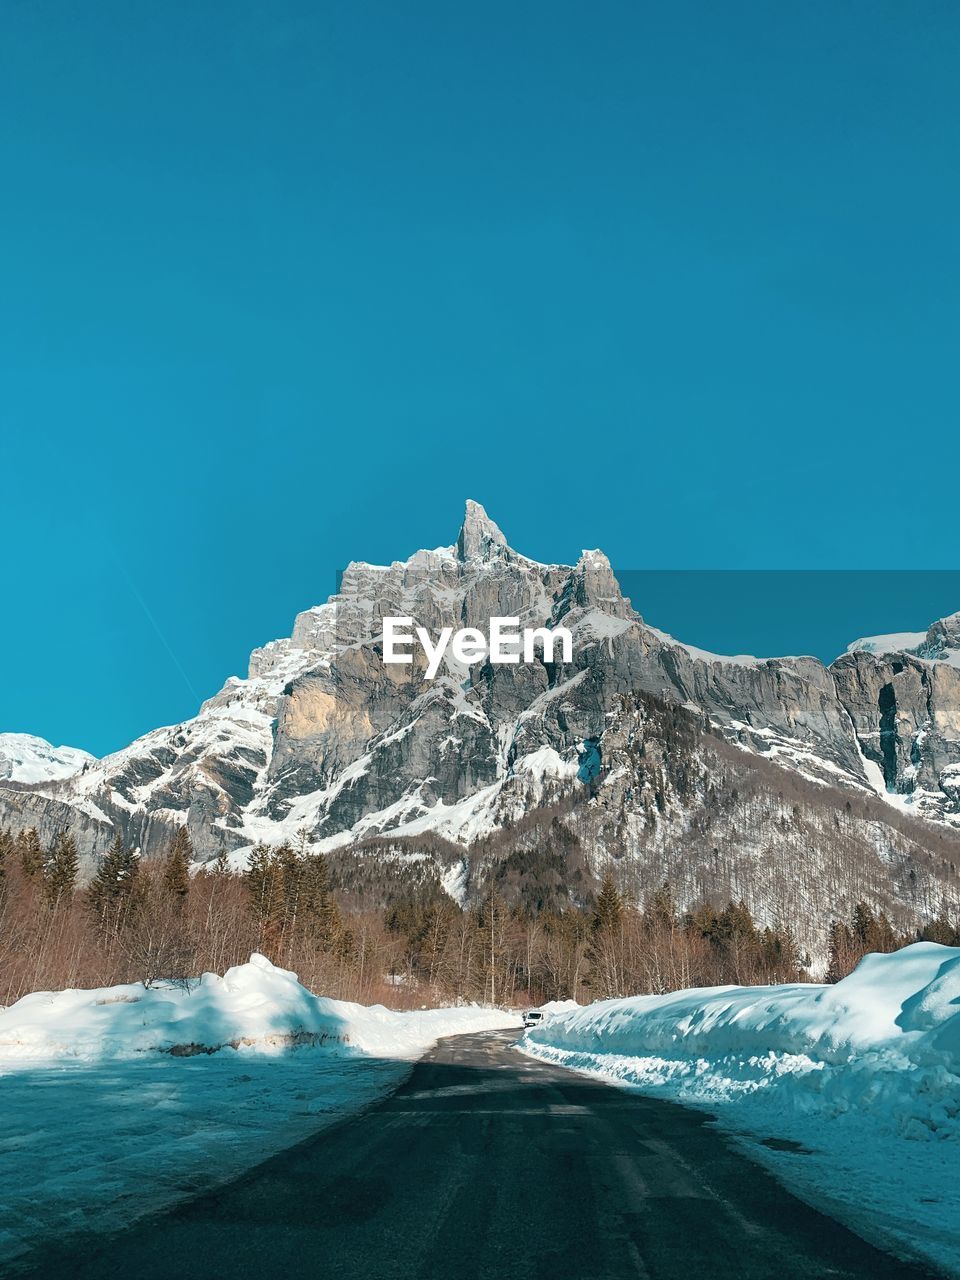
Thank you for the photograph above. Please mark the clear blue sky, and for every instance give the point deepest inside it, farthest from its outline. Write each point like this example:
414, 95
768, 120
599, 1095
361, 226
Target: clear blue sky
283, 284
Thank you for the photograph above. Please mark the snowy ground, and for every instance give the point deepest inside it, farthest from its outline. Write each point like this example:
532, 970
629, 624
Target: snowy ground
103, 1123
849, 1093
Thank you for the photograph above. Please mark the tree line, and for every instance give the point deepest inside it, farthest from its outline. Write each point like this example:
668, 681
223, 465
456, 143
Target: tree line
867, 931
152, 921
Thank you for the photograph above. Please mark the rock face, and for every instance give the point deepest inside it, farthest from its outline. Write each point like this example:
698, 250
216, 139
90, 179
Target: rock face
678, 803
904, 701
323, 735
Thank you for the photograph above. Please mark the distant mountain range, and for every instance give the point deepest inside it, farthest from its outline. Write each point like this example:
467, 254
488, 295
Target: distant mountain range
322, 735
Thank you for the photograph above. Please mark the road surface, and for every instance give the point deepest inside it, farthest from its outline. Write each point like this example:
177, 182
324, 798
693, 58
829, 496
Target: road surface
487, 1165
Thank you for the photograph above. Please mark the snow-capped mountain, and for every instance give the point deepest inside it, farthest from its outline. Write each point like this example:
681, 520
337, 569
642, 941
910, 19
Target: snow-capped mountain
322, 734
25, 758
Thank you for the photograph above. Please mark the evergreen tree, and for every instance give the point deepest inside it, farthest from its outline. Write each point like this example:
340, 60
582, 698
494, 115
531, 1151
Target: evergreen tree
884, 936
608, 909
112, 893
735, 923
320, 915
661, 910
873, 932
258, 879
272, 880
606, 950
61, 866
864, 925
779, 953
31, 852
940, 930
284, 894
176, 868
704, 922
842, 950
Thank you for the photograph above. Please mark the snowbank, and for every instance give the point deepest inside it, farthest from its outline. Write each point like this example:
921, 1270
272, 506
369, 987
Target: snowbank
892, 1028
558, 1006
878, 1053
254, 1006
119, 1102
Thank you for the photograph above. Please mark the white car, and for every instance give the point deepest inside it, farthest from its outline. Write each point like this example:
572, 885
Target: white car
533, 1017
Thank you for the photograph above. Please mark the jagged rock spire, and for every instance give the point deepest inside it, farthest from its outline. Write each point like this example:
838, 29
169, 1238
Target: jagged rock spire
480, 538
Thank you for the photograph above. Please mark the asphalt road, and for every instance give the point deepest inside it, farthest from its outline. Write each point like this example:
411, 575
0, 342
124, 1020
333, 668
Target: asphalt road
487, 1165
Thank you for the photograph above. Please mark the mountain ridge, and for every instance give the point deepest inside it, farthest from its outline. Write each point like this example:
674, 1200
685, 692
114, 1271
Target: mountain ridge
322, 736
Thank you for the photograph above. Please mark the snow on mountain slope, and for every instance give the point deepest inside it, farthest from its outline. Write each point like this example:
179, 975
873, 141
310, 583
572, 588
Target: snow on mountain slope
858, 1084
28, 759
894, 642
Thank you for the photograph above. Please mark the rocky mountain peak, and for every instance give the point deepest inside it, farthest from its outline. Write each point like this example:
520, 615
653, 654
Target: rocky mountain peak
323, 735
593, 585
480, 538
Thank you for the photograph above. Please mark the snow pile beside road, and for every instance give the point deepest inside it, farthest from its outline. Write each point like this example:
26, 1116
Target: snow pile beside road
122, 1101
254, 1006
840, 1074
889, 1033
558, 1006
